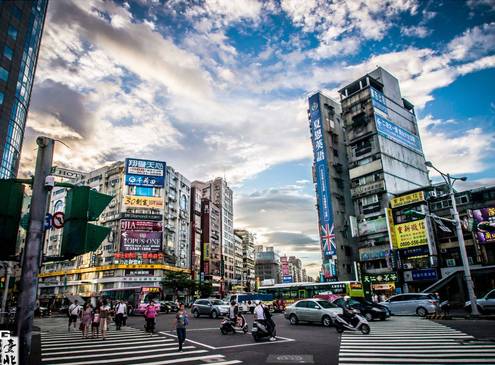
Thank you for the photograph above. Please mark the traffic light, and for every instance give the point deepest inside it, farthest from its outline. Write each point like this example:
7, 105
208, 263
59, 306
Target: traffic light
414, 214
11, 195
82, 206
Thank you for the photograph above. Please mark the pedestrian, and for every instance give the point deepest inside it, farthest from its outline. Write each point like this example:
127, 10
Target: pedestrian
233, 310
86, 319
74, 312
126, 314
95, 324
181, 322
105, 313
150, 314
120, 311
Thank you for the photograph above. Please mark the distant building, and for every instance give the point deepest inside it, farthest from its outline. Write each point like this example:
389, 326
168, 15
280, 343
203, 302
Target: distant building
295, 268
21, 27
211, 248
196, 231
238, 262
248, 259
267, 265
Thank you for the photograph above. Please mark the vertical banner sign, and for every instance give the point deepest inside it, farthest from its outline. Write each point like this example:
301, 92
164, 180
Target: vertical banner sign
378, 100
327, 236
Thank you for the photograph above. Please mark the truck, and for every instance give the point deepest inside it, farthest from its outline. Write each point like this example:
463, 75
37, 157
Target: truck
246, 300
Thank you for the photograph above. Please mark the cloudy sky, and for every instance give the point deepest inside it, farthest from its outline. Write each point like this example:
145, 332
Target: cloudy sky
219, 87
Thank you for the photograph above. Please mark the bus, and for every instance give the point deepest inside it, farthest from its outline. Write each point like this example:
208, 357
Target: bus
291, 292
138, 297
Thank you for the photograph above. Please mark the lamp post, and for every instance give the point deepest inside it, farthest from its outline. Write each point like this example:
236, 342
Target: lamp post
450, 180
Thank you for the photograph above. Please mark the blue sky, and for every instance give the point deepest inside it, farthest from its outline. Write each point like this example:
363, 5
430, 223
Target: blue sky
219, 87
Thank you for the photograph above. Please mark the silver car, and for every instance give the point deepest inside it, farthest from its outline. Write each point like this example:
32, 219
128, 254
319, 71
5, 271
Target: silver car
420, 304
486, 304
209, 307
312, 310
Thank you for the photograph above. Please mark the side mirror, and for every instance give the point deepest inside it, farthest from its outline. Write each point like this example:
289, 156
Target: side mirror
316, 307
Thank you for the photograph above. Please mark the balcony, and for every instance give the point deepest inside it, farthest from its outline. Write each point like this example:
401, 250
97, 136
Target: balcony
374, 187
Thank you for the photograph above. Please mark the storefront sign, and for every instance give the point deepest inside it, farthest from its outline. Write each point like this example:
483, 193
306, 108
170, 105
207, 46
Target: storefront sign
395, 133
414, 251
407, 199
143, 202
144, 172
373, 253
378, 100
411, 234
137, 225
372, 226
287, 279
484, 224
148, 217
138, 272
140, 241
425, 274
380, 278
368, 188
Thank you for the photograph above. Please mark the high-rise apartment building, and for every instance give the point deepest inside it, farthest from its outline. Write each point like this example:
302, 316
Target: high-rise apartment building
267, 266
238, 261
21, 27
196, 197
248, 258
364, 153
295, 269
211, 245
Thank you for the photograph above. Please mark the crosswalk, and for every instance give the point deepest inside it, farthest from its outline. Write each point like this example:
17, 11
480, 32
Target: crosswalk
411, 340
124, 347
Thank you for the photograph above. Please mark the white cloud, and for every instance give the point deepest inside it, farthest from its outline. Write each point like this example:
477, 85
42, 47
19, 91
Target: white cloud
473, 43
419, 31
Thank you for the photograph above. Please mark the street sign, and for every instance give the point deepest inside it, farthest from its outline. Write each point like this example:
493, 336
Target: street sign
58, 220
66, 173
48, 221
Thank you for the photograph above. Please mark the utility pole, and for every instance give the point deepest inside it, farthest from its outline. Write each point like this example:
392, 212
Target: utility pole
32, 249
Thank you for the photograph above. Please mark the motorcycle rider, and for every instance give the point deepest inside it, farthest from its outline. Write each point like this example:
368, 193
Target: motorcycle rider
348, 311
262, 314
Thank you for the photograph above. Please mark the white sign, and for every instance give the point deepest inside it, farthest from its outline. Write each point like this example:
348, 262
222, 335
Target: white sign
66, 173
10, 348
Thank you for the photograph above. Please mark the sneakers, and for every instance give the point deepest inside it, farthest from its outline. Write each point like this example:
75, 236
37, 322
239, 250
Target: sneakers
273, 339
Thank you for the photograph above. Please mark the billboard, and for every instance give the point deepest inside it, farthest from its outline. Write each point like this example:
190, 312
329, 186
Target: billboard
484, 217
372, 226
397, 134
138, 225
287, 279
327, 236
411, 234
146, 173
139, 241
399, 201
378, 100
143, 202
284, 265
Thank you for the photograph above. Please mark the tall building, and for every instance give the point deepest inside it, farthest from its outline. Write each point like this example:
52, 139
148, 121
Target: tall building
267, 266
211, 245
238, 261
248, 258
21, 27
385, 158
295, 268
196, 232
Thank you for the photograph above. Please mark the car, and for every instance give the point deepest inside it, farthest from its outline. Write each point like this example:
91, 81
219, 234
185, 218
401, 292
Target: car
312, 310
420, 304
168, 306
368, 309
486, 304
210, 307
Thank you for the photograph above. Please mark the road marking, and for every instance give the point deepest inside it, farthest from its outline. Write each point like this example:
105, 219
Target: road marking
161, 345
93, 340
100, 343
80, 339
165, 362
380, 360
195, 342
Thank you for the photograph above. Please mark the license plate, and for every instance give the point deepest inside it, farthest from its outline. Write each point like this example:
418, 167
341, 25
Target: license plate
254, 329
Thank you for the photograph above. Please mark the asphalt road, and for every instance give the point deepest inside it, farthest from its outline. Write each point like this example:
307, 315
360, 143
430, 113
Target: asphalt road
303, 343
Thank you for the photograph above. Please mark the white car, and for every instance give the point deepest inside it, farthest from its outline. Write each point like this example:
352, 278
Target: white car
312, 310
486, 304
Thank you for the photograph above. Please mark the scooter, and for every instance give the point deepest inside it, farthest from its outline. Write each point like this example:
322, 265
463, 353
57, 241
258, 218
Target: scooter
259, 331
356, 323
229, 325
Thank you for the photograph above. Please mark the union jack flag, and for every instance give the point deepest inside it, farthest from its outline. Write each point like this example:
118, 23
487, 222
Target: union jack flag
328, 240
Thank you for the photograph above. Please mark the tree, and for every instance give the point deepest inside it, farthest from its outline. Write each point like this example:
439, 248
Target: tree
178, 281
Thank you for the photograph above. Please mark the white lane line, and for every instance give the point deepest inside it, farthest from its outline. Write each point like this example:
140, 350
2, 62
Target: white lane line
413, 355
174, 361
419, 347
195, 342
142, 357
399, 351
376, 337
161, 345
409, 340
81, 340
256, 344
100, 343
381, 360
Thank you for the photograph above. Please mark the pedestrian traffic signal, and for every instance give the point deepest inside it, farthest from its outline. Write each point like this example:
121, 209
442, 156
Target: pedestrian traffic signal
11, 195
83, 206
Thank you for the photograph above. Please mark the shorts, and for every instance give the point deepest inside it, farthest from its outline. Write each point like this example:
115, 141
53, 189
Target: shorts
72, 318
95, 325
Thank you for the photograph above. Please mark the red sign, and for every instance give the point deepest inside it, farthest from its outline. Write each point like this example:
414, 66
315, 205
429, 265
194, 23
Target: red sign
58, 219
138, 225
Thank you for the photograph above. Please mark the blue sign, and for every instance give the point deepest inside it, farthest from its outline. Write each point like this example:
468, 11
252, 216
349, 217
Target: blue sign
48, 221
287, 279
327, 236
414, 251
146, 173
143, 191
378, 100
424, 274
397, 134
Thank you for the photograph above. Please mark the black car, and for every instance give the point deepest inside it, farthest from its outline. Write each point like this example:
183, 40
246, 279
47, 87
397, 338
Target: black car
168, 306
369, 309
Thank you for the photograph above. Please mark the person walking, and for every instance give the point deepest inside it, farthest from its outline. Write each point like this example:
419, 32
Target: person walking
150, 314
74, 312
95, 324
105, 313
86, 319
181, 322
120, 312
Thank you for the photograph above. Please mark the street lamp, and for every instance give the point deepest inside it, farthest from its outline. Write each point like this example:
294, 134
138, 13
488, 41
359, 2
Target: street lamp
450, 181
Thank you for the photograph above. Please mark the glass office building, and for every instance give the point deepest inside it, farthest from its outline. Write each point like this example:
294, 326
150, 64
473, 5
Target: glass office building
21, 26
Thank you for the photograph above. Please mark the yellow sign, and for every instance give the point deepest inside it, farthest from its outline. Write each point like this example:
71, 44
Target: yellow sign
113, 267
411, 234
143, 202
391, 230
206, 251
407, 199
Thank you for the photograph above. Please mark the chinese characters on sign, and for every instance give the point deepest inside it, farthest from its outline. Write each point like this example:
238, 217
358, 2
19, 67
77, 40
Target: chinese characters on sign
378, 100
10, 348
483, 219
144, 172
425, 274
138, 225
411, 234
407, 199
143, 202
327, 236
380, 278
397, 134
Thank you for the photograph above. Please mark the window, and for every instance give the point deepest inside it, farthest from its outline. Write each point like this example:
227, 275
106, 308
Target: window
12, 32
4, 74
369, 200
311, 304
1, 97
8, 52
302, 305
365, 161
398, 298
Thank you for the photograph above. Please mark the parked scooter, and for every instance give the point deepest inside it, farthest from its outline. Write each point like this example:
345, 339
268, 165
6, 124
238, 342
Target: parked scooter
259, 331
354, 323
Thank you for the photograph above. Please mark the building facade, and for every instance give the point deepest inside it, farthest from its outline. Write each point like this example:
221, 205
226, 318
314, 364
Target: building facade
196, 212
267, 266
248, 259
211, 245
295, 268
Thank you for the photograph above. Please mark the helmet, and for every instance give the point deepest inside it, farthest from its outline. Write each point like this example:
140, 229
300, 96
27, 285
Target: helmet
257, 302
346, 298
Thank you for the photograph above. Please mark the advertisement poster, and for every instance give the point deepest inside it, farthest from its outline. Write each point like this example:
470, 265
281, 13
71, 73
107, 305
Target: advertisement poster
138, 225
284, 265
407, 199
143, 202
411, 234
140, 241
484, 218
144, 172
397, 134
